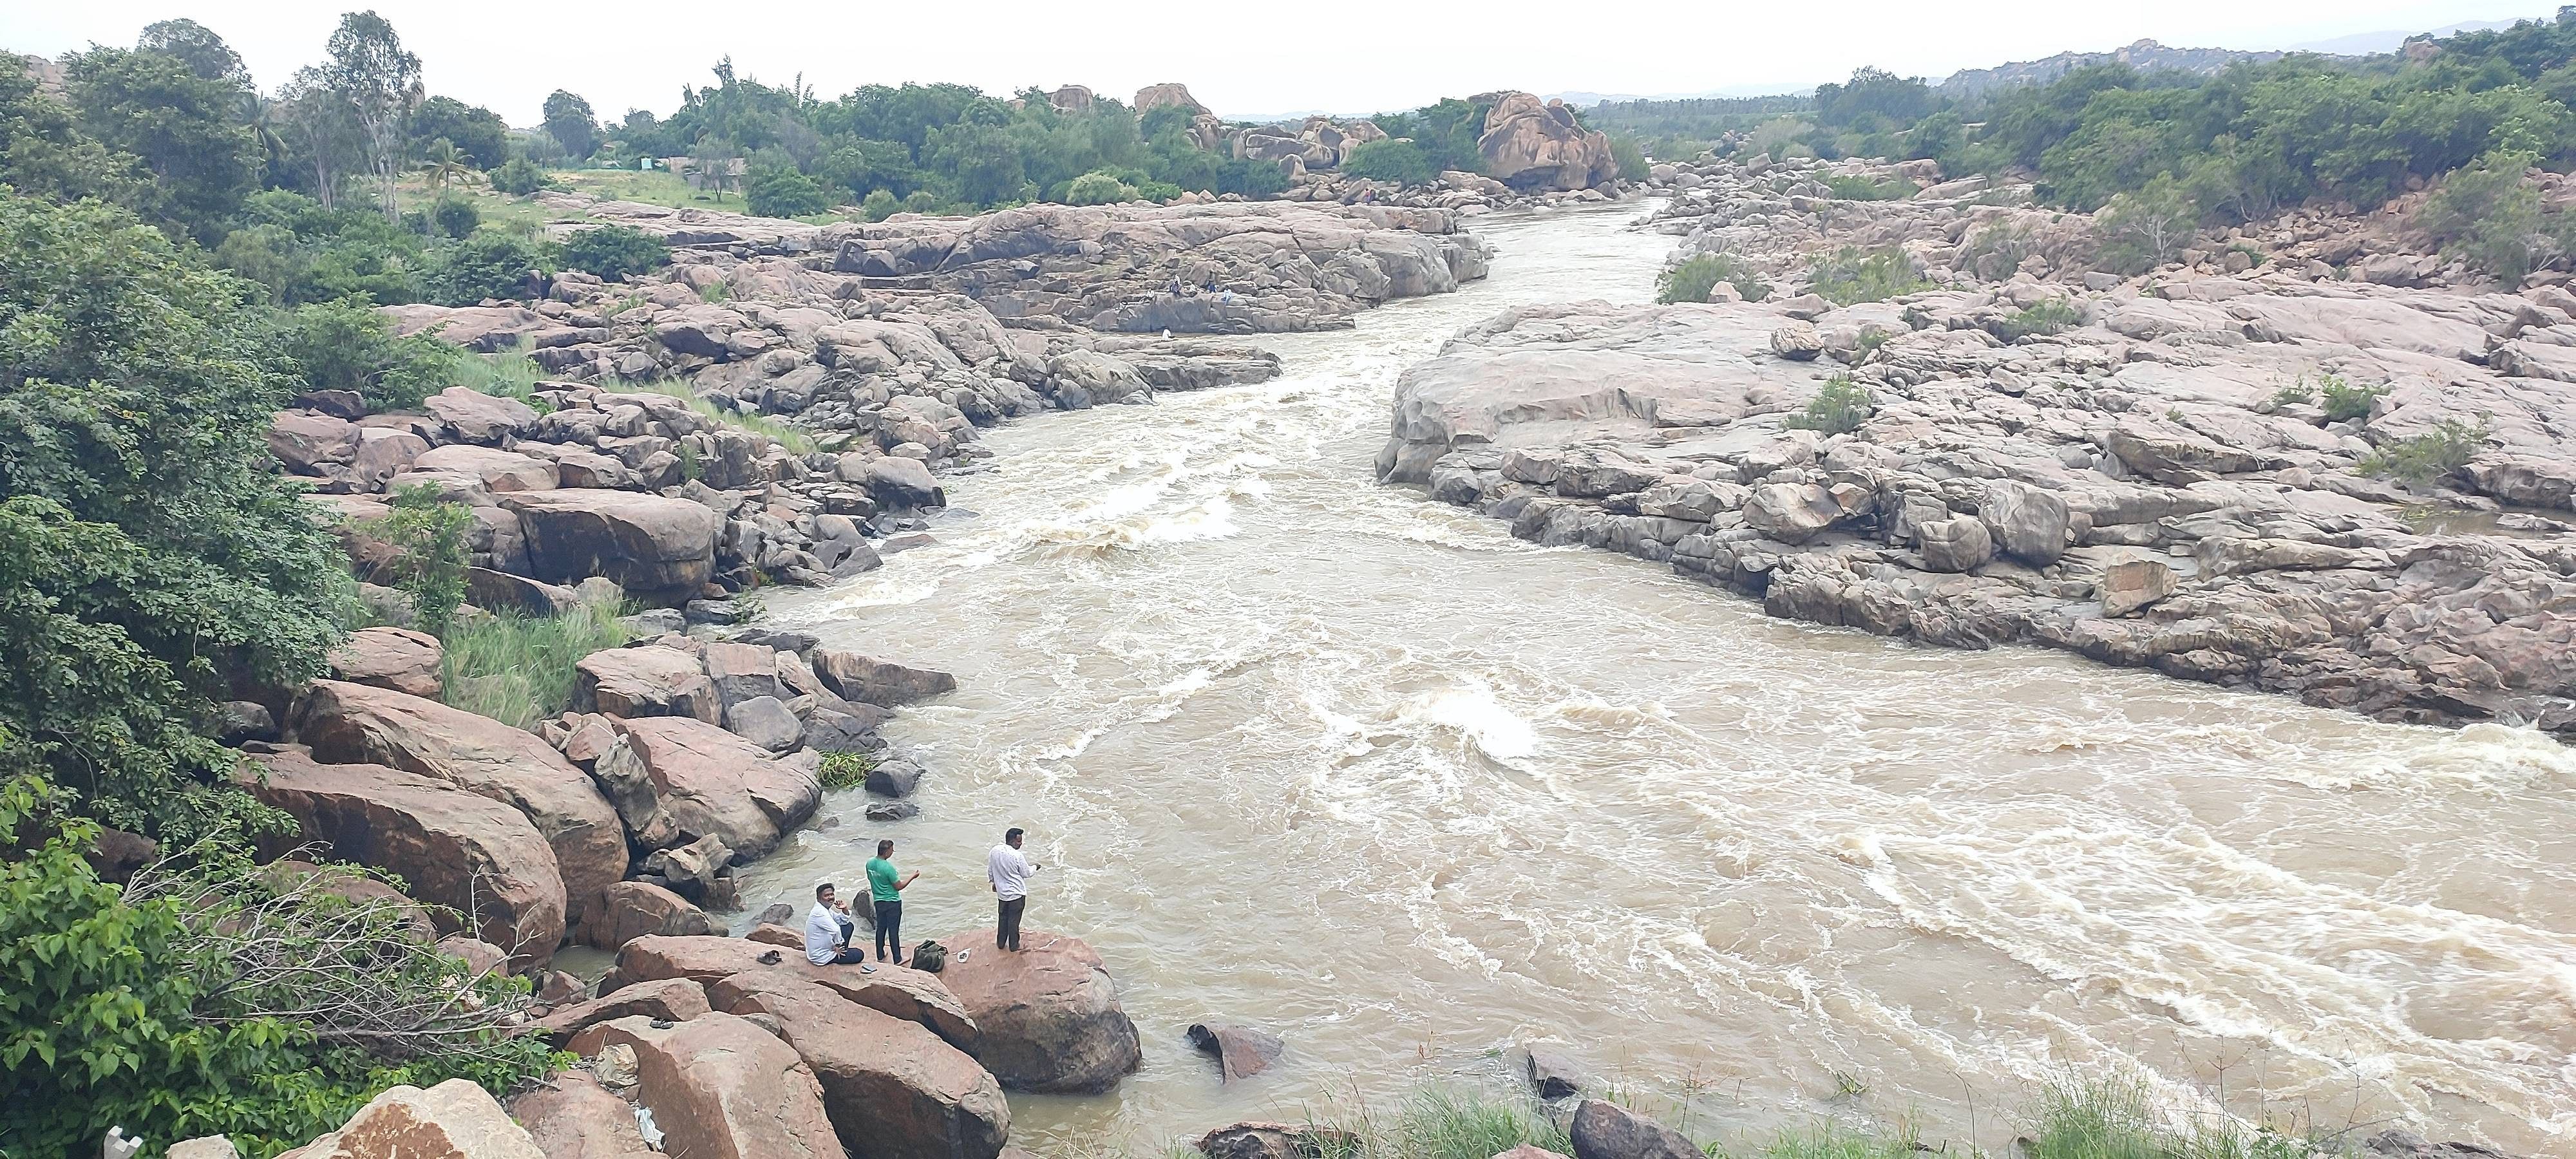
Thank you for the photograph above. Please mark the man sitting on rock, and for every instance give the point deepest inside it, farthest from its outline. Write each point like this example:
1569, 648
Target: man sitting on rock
1009, 871
827, 932
885, 887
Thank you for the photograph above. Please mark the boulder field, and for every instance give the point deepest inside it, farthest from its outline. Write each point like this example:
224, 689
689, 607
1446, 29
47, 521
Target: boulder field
2287, 477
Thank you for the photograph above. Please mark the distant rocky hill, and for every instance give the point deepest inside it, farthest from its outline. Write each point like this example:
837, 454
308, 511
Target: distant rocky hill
2145, 55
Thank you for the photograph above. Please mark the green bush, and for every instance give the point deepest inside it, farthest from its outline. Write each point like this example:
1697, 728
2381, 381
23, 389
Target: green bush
1853, 275
2429, 457
2489, 216
1392, 159
520, 177
2141, 230
519, 669
613, 251
349, 346
149, 553
455, 216
1850, 188
879, 205
2039, 319
489, 264
1692, 280
1098, 189
847, 770
1630, 157
2344, 401
428, 537
1839, 407
784, 192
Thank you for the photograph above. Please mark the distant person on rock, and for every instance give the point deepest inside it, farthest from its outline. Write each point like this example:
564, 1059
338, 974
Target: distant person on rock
827, 932
886, 888
1009, 871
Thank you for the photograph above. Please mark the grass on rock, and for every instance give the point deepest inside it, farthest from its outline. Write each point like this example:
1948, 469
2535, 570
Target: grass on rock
519, 669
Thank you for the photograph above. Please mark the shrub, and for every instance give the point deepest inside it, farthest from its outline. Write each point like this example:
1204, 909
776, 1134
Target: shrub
879, 205
519, 669
1392, 159
489, 264
520, 177
784, 192
1839, 407
346, 345
455, 216
2044, 317
847, 770
2429, 457
788, 435
1098, 188
1854, 275
2344, 401
149, 553
2296, 391
2487, 215
2142, 230
613, 251
1630, 157
1692, 280
427, 534
1995, 252
1850, 188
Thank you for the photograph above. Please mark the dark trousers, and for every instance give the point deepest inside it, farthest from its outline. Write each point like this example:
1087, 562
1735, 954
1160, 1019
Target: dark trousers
848, 953
889, 929
1006, 934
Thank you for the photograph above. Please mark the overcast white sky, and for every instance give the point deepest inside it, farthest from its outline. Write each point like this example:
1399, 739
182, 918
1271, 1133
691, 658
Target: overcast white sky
1239, 58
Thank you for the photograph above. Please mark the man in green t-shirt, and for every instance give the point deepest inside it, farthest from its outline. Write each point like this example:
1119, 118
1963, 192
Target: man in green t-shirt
885, 885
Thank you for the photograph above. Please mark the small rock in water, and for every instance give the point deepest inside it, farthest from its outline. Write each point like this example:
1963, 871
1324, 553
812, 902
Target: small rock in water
892, 810
1241, 1052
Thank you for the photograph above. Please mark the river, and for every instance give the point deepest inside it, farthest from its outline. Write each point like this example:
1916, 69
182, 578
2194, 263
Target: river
1360, 769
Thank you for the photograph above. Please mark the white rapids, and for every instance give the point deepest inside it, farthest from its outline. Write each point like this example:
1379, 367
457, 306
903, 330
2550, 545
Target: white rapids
1362, 770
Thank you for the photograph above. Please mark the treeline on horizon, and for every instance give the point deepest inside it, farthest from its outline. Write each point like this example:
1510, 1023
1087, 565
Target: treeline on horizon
2238, 146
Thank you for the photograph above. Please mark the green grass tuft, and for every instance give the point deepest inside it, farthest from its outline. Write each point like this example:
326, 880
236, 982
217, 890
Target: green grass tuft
1839, 408
1692, 280
2428, 457
847, 770
1854, 275
2345, 401
789, 435
519, 669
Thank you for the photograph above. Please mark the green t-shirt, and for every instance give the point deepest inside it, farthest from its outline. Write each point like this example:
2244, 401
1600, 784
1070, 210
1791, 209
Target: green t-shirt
881, 878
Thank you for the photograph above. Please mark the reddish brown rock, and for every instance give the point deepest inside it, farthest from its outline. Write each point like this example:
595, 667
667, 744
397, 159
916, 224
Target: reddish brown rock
774, 934
399, 659
705, 781
455, 849
628, 910
652, 545
1047, 1017
893, 1089
880, 682
573, 1117
1604, 1130
722, 1088
668, 999
352, 723
498, 471
645, 681
1255, 1140
899, 991
453, 1120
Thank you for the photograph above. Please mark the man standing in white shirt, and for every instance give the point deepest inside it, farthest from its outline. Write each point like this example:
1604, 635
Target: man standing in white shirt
827, 933
1008, 869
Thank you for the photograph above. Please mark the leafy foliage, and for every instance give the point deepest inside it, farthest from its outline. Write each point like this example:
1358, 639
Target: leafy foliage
427, 535
1839, 407
2345, 401
847, 770
1692, 280
2145, 229
519, 177
571, 123
1098, 188
613, 251
2487, 215
150, 555
519, 669
2429, 457
488, 264
1851, 188
186, 129
2039, 319
1630, 157
346, 346
1853, 275
784, 192
1393, 159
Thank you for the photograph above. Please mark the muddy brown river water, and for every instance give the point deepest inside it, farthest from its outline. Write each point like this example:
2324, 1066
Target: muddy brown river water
1361, 769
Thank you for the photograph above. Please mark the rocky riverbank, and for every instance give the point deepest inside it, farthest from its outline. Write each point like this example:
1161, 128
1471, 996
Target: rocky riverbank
2252, 466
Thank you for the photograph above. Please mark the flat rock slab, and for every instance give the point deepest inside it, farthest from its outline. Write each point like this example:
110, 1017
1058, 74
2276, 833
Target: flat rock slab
573, 1117
453, 1120
898, 991
721, 1087
667, 999
397, 658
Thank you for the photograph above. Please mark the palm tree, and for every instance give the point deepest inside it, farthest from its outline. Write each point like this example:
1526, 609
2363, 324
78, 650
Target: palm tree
444, 162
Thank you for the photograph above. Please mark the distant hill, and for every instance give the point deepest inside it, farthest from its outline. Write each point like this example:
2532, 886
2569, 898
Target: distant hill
2367, 43
2144, 55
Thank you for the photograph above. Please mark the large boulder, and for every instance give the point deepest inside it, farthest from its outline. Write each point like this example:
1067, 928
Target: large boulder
453, 1120
573, 1117
645, 681
665, 999
359, 724
893, 1089
2028, 523
1047, 1017
311, 444
1605, 1130
1528, 145
475, 417
703, 781
497, 470
627, 910
652, 545
898, 991
720, 1087
397, 658
1172, 93
869, 680
455, 849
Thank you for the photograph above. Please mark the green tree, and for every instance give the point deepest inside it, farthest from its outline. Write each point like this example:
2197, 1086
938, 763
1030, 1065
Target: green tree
569, 120
782, 192
982, 159
519, 177
2488, 215
428, 537
879, 205
320, 132
44, 153
614, 251
188, 130
344, 345
480, 132
443, 163
152, 555
454, 215
1098, 189
2142, 230
1394, 159
486, 264
196, 46
380, 81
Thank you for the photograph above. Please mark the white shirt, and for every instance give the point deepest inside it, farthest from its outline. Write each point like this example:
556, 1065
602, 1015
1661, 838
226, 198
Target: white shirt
1008, 871
822, 935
